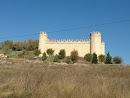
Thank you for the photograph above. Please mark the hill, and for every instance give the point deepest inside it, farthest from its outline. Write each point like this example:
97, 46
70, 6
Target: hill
37, 80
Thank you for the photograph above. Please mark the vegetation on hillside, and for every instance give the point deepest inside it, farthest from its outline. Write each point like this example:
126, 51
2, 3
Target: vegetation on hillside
102, 58
44, 57
117, 60
108, 59
88, 57
74, 55
8, 47
29, 45
94, 60
62, 54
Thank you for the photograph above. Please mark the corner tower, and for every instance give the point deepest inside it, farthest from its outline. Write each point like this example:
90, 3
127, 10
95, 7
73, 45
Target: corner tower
43, 37
95, 43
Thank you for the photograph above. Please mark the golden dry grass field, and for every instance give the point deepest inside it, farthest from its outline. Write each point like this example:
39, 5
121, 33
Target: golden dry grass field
28, 80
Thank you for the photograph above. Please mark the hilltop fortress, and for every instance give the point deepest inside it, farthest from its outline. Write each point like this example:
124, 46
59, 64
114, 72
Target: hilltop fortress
94, 45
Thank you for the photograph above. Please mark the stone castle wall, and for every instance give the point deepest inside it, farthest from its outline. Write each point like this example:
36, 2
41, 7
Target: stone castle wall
82, 46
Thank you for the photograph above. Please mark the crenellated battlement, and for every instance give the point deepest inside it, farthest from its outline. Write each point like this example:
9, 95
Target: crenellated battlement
43, 33
68, 41
95, 33
103, 43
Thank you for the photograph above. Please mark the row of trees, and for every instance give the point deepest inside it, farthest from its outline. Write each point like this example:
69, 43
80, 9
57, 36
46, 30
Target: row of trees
88, 57
29, 45
61, 55
103, 59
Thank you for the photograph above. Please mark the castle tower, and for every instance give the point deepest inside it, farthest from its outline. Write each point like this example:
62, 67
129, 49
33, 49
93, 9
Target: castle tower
43, 37
95, 43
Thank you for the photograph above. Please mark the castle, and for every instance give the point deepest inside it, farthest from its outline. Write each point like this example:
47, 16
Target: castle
94, 45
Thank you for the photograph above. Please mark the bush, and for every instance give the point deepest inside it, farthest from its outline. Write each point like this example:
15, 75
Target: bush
56, 59
20, 55
68, 60
25, 52
95, 60
44, 57
46, 62
4, 50
102, 58
74, 55
50, 52
37, 52
108, 59
11, 54
62, 54
117, 60
88, 57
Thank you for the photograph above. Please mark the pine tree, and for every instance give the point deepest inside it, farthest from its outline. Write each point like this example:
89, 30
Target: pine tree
94, 60
62, 54
108, 59
44, 57
56, 59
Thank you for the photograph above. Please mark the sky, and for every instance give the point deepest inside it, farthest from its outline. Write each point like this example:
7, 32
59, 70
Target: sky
26, 17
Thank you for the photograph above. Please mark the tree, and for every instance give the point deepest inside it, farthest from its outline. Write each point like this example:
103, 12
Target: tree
37, 43
62, 54
88, 57
74, 55
102, 58
18, 45
56, 59
25, 45
44, 57
117, 60
37, 52
7, 43
50, 52
108, 59
32, 45
94, 60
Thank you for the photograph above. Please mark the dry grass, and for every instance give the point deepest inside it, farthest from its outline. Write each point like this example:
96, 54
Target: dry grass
42, 81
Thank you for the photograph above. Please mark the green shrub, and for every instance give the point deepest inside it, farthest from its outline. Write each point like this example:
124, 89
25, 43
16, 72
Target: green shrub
94, 60
74, 55
11, 54
20, 55
25, 52
56, 59
68, 60
117, 60
102, 58
46, 62
4, 50
37, 52
44, 57
50, 52
62, 54
88, 57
